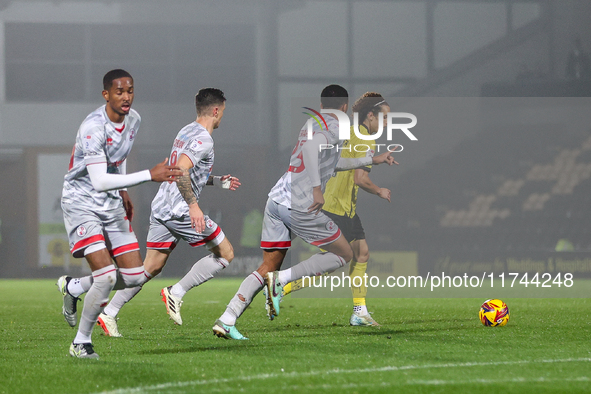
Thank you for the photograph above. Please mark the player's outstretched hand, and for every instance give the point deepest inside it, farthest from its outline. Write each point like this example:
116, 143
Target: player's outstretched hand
384, 158
230, 182
384, 193
162, 173
318, 203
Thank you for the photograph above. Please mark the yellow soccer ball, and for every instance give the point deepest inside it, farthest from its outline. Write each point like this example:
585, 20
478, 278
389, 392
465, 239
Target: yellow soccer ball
494, 313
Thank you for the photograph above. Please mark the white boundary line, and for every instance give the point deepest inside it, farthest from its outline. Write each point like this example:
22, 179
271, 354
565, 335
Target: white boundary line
170, 385
435, 382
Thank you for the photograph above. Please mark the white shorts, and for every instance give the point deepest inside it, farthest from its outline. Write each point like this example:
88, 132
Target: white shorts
281, 225
165, 234
86, 227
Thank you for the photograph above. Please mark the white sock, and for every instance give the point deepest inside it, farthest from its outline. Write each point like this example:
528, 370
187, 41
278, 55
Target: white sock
95, 301
360, 310
284, 276
79, 286
122, 297
201, 272
130, 277
314, 266
248, 289
177, 291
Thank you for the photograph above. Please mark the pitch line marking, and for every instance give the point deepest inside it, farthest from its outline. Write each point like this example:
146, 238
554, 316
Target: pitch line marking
433, 382
390, 368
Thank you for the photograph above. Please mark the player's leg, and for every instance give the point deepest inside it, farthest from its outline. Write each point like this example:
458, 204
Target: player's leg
345, 224
160, 244
337, 254
84, 233
105, 275
123, 247
325, 262
87, 239
153, 264
357, 269
318, 230
122, 244
249, 288
275, 241
203, 270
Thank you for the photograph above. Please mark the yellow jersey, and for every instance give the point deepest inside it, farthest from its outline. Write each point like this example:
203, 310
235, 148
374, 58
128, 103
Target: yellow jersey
340, 195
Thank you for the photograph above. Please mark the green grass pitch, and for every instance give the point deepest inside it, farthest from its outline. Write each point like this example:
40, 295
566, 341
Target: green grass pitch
424, 345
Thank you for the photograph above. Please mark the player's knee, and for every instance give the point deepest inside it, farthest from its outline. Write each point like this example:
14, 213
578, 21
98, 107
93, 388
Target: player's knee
134, 281
224, 250
133, 277
228, 254
363, 256
156, 271
107, 279
105, 282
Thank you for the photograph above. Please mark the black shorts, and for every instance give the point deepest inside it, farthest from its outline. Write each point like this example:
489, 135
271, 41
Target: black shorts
350, 227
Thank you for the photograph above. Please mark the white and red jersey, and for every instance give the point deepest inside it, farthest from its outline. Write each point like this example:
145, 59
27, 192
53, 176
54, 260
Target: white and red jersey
98, 141
196, 143
294, 188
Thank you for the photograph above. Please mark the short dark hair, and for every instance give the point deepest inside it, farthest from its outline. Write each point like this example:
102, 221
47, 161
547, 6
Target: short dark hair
334, 96
208, 97
113, 75
368, 102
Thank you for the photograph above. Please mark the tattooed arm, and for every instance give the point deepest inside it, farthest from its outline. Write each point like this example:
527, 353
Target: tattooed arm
184, 185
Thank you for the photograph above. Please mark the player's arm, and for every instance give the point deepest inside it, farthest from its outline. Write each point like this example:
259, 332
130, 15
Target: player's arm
310, 151
362, 179
184, 185
225, 182
92, 139
345, 164
102, 181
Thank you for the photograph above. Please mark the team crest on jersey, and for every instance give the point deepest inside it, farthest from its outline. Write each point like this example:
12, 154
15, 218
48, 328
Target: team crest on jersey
331, 226
110, 141
132, 134
209, 223
81, 231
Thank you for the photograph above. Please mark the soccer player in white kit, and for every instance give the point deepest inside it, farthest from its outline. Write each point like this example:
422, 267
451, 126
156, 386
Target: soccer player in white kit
176, 214
97, 209
294, 209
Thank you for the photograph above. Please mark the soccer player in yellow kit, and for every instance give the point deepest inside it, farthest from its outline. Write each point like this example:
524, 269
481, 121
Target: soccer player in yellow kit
341, 199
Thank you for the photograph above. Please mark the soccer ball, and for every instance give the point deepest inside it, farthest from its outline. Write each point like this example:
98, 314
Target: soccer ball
494, 313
